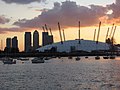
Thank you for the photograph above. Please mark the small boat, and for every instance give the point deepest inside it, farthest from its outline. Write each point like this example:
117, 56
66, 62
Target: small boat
9, 61
59, 57
23, 59
86, 57
97, 57
38, 60
47, 58
69, 57
105, 57
77, 58
112, 57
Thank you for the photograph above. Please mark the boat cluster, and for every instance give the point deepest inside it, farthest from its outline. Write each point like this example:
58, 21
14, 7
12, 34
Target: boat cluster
8, 60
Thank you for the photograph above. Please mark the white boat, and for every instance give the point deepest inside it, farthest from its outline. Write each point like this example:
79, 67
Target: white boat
38, 60
9, 61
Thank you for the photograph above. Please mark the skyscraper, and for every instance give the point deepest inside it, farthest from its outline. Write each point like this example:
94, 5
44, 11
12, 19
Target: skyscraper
35, 39
14, 42
8, 43
46, 38
27, 42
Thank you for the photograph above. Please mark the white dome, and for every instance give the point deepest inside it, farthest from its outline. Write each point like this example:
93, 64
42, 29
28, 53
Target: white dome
85, 45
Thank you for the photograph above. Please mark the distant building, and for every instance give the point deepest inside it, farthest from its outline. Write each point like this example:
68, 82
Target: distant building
8, 43
46, 38
35, 39
74, 46
14, 42
14, 48
27, 42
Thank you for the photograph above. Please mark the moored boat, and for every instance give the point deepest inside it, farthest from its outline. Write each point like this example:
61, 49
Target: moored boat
97, 57
38, 60
112, 57
105, 57
77, 58
9, 61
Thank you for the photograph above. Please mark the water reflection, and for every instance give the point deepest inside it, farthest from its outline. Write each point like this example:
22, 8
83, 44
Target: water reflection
62, 74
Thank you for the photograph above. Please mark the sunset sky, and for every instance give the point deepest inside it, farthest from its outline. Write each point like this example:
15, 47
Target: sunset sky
18, 16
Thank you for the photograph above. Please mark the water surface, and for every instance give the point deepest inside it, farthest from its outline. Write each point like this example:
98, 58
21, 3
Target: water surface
62, 74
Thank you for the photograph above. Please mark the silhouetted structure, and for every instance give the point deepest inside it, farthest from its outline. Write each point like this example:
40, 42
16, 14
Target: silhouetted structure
14, 48
46, 38
27, 42
8, 45
35, 40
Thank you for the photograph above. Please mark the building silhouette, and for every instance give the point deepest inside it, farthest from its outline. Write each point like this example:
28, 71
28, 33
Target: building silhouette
8, 43
35, 39
46, 38
11, 45
14, 42
14, 48
27, 42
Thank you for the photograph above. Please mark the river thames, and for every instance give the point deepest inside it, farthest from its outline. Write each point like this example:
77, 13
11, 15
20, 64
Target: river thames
62, 74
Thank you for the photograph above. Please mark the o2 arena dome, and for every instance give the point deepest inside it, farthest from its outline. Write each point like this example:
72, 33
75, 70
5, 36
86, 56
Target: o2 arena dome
73, 45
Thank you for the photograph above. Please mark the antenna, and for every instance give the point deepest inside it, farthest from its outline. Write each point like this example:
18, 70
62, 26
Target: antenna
79, 32
60, 32
98, 32
94, 35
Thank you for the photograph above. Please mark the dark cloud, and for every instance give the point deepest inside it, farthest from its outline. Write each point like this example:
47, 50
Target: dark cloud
22, 1
68, 14
3, 19
115, 7
14, 29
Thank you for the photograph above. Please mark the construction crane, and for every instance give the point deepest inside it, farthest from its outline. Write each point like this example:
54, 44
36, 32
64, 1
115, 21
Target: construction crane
60, 33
